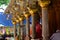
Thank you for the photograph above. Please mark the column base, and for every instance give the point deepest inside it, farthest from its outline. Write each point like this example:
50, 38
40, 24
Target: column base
35, 39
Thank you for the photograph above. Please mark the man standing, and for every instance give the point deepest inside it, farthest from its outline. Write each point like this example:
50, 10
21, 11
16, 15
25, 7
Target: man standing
55, 36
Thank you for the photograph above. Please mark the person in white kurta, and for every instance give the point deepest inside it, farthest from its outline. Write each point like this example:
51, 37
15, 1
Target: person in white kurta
55, 36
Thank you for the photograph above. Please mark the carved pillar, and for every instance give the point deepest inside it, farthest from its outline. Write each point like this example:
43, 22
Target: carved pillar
45, 27
27, 26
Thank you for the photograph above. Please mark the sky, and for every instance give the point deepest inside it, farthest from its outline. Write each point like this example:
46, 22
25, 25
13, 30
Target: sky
3, 19
1, 25
4, 7
1, 10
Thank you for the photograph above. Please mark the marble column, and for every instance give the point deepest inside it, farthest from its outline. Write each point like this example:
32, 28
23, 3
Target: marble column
14, 30
45, 26
33, 25
21, 29
19, 32
18, 22
27, 26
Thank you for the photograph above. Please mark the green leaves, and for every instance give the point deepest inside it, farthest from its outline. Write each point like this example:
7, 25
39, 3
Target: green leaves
4, 2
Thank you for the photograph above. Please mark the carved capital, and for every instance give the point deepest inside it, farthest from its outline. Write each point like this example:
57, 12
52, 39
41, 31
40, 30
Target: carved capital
44, 3
21, 18
26, 15
14, 22
17, 20
32, 11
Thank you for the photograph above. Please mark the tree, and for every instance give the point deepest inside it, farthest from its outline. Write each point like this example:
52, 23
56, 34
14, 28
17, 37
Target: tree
4, 2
